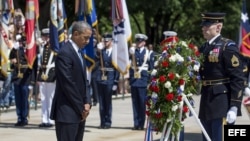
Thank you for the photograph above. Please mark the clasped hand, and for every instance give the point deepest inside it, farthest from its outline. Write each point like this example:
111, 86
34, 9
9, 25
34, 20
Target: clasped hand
85, 112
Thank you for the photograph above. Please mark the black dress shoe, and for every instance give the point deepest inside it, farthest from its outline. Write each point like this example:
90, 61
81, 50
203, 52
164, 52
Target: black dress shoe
101, 127
18, 124
141, 128
21, 123
49, 125
24, 123
107, 127
45, 125
135, 128
42, 125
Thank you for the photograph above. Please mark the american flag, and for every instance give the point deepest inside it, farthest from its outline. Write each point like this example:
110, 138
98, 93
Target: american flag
244, 40
31, 15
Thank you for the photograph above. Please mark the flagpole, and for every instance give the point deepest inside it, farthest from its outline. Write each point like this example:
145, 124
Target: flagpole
123, 87
101, 58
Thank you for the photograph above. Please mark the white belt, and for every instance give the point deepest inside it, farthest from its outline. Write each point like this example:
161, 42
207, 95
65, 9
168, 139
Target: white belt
107, 69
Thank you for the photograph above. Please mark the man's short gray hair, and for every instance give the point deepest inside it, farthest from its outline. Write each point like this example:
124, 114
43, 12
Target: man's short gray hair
80, 26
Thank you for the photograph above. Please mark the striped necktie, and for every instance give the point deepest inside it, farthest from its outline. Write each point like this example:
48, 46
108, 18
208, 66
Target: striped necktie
80, 56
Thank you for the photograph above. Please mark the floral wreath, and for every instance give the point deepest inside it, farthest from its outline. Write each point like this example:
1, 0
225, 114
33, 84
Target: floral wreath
175, 75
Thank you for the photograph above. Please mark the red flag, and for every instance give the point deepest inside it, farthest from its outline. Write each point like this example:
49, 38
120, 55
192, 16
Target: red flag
31, 15
244, 32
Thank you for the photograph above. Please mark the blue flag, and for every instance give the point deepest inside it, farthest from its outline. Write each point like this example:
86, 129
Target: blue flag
86, 12
56, 25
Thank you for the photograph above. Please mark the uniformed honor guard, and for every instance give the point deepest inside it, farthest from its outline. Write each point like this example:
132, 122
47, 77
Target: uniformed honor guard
138, 79
46, 78
22, 77
170, 37
222, 78
107, 80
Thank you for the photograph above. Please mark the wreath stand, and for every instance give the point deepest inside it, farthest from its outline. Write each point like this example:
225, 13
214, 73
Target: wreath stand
167, 130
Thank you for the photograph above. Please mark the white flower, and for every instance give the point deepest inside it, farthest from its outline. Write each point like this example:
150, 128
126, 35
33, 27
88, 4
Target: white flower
153, 73
196, 67
154, 95
174, 108
172, 58
156, 63
179, 58
167, 84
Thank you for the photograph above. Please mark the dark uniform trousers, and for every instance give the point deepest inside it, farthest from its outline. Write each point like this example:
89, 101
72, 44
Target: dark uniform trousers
105, 89
139, 89
21, 78
222, 83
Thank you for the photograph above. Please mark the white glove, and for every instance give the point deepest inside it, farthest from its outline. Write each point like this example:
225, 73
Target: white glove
132, 50
231, 115
18, 37
114, 87
100, 46
247, 91
39, 41
30, 87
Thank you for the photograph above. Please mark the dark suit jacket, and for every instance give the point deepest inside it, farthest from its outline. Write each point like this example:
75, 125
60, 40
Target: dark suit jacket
72, 87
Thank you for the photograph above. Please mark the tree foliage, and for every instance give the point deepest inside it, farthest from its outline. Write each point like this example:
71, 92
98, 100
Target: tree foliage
154, 17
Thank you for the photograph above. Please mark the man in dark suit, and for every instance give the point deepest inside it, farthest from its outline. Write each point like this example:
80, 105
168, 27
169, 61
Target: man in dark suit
72, 101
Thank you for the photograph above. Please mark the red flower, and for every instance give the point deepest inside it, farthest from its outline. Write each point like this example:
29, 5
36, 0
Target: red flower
154, 88
169, 97
185, 109
162, 78
197, 53
171, 76
147, 113
165, 64
164, 48
192, 46
158, 115
148, 103
179, 98
181, 82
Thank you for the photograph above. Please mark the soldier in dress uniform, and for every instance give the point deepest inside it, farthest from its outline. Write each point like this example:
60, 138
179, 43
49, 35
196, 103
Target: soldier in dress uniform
22, 77
138, 79
46, 78
170, 37
222, 78
107, 80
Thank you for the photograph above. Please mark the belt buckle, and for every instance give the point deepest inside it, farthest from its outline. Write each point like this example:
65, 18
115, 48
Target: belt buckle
204, 83
137, 75
104, 77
